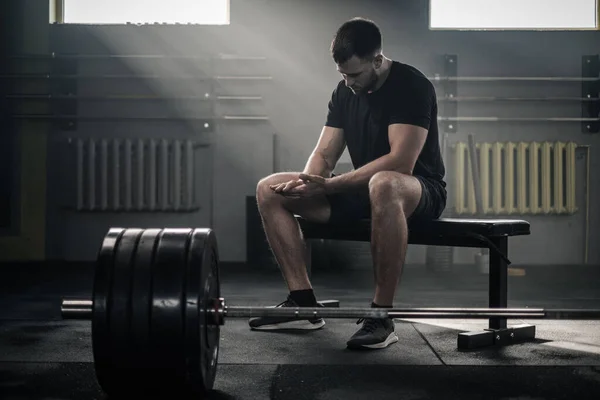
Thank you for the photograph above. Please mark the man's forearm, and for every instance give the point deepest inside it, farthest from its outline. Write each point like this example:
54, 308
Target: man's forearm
318, 165
361, 176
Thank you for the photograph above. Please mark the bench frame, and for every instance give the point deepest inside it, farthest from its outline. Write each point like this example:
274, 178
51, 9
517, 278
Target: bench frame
498, 333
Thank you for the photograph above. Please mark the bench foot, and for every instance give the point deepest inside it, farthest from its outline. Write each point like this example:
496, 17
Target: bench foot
496, 337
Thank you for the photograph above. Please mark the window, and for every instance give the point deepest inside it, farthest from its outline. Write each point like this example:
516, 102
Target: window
513, 14
202, 12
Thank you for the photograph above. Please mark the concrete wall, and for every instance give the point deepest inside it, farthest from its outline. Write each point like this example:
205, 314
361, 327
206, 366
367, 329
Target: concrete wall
295, 36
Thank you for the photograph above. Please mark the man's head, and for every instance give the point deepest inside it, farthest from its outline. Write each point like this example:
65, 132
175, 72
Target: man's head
356, 49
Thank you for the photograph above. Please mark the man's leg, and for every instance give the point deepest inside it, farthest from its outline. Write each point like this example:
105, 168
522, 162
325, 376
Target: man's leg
287, 244
393, 198
283, 231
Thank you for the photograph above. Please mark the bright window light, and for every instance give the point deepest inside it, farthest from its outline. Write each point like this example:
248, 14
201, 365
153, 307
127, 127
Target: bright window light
513, 14
202, 12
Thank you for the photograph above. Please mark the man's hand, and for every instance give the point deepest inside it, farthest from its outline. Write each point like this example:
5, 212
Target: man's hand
285, 187
306, 186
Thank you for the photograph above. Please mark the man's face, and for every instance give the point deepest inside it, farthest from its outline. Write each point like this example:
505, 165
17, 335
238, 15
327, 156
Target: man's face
359, 75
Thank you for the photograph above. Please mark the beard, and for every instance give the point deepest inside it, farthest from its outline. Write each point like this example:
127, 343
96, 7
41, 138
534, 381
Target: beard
369, 85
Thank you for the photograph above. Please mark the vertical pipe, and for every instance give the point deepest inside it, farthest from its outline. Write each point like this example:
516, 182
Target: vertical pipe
509, 178
163, 172
116, 174
471, 205
559, 204
475, 175
140, 174
460, 181
522, 178
484, 176
189, 175
177, 170
546, 160
152, 175
80, 168
103, 174
497, 173
571, 204
128, 169
534, 180
587, 205
91, 174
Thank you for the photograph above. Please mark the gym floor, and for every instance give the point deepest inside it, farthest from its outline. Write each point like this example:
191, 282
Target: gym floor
42, 356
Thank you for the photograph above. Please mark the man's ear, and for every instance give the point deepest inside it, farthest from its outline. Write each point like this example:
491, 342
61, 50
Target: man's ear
378, 61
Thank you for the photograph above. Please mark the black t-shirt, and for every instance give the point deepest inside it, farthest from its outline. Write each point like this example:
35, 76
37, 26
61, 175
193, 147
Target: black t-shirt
406, 97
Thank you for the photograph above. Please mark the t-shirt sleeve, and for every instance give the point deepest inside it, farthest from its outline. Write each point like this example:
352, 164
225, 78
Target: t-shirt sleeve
334, 110
414, 106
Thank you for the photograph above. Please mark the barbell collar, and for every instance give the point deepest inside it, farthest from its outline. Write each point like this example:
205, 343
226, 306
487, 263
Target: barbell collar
76, 309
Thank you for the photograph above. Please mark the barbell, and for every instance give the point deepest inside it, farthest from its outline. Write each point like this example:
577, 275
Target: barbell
156, 311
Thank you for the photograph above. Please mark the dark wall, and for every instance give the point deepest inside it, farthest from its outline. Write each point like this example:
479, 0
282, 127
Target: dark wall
8, 11
294, 36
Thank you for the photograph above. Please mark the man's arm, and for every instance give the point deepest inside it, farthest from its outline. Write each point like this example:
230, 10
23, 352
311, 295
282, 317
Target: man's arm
406, 142
327, 152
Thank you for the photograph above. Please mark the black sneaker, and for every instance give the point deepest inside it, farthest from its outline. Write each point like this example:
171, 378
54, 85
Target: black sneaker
276, 323
376, 333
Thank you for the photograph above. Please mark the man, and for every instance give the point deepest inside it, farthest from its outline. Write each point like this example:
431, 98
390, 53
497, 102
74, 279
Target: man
385, 112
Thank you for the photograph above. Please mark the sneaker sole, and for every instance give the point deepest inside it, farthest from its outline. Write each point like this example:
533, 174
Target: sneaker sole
392, 338
296, 325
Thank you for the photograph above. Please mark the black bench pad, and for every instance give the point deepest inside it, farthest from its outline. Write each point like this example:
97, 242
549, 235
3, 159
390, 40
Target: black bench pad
440, 231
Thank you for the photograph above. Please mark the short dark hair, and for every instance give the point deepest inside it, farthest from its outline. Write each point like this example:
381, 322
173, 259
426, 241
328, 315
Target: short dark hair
359, 36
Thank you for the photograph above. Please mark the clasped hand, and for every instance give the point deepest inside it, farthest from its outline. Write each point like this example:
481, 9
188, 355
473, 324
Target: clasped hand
306, 186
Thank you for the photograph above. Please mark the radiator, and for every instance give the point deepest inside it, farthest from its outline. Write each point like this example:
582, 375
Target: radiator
517, 178
134, 175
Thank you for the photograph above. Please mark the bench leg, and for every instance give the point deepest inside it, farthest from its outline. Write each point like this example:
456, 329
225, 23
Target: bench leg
498, 334
498, 283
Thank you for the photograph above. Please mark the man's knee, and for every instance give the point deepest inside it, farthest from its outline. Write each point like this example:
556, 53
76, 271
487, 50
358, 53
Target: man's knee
386, 187
264, 193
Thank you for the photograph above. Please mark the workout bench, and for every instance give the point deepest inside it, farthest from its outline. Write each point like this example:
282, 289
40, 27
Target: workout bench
476, 233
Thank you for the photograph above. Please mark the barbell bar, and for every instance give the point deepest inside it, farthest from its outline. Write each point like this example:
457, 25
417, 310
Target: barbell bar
156, 310
82, 309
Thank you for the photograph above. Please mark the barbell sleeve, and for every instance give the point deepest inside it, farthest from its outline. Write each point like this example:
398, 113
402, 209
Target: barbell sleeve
76, 309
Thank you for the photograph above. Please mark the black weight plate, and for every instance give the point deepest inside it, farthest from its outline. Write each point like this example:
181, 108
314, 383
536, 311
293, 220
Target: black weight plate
212, 290
202, 339
168, 307
141, 300
119, 304
101, 342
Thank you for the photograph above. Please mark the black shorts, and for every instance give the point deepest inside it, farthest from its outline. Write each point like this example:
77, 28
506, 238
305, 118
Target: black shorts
352, 206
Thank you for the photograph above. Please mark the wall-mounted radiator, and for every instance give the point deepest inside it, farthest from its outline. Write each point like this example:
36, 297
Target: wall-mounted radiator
134, 174
517, 178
